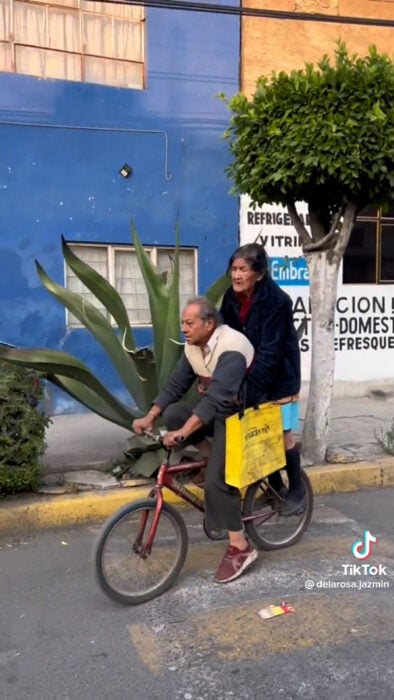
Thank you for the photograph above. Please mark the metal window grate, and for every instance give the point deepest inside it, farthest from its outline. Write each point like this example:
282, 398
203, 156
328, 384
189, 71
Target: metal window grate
119, 265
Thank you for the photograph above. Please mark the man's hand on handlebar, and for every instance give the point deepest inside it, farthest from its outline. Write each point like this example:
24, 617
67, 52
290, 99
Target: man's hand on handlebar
140, 425
173, 438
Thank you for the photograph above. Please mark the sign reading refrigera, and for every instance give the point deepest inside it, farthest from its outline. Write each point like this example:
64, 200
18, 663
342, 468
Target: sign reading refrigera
271, 225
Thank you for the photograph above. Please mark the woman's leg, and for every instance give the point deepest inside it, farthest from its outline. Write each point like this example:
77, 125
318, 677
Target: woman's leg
294, 499
275, 481
295, 495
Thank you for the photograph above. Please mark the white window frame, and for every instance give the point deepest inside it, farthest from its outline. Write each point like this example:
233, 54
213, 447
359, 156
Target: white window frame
111, 250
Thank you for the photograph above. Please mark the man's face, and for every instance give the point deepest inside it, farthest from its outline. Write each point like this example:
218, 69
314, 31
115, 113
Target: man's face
195, 330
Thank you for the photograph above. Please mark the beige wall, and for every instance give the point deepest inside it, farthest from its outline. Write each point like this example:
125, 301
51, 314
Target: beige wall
277, 44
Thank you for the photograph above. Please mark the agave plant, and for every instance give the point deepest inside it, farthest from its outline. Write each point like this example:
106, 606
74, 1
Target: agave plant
142, 370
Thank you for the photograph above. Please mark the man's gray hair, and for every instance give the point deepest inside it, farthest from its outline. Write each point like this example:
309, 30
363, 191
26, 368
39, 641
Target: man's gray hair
208, 310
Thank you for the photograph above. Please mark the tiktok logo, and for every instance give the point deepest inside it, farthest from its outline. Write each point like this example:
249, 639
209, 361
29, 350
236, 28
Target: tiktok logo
361, 549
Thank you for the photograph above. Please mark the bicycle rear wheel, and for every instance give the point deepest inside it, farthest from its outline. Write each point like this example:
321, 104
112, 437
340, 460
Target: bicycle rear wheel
125, 568
268, 529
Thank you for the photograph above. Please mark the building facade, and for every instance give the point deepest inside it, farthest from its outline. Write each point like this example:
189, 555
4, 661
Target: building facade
109, 113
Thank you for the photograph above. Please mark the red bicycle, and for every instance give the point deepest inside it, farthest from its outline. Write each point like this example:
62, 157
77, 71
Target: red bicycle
141, 549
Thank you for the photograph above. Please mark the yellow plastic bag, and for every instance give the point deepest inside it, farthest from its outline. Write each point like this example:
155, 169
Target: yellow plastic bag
254, 445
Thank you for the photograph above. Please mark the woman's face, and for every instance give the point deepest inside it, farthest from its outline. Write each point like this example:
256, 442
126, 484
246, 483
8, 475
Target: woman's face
243, 277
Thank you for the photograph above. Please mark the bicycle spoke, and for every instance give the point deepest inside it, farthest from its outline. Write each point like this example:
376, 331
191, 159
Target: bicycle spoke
264, 522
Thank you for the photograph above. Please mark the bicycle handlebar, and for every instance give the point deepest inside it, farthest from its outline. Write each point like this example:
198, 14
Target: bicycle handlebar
156, 437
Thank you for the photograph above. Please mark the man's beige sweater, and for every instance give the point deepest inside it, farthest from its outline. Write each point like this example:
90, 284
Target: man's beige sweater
224, 339
223, 367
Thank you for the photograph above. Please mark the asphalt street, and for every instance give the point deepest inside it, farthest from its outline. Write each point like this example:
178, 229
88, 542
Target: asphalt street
62, 639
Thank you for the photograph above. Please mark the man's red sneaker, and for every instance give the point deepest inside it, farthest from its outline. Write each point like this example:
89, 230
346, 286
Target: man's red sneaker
234, 563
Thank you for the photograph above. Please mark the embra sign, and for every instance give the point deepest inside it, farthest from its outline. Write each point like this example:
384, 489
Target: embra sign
289, 271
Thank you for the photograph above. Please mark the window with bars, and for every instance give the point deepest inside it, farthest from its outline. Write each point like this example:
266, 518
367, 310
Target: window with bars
80, 40
369, 258
119, 265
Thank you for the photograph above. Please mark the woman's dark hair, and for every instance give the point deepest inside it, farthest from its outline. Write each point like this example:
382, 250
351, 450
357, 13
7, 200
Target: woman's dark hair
255, 256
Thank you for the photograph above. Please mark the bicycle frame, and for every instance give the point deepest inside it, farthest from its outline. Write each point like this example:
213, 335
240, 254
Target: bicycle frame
165, 478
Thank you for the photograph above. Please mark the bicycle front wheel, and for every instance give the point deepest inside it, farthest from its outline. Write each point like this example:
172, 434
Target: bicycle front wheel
129, 571
266, 527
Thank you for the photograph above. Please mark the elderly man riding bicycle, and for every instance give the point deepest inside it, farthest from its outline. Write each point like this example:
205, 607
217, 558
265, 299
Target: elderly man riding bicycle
218, 357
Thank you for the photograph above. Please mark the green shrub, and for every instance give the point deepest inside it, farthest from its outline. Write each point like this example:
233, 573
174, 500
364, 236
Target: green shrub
386, 438
22, 429
16, 479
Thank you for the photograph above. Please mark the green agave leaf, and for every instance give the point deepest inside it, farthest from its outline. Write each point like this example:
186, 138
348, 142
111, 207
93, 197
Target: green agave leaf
161, 299
91, 400
145, 362
147, 464
171, 351
103, 290
217, 289
102, 330
53, 362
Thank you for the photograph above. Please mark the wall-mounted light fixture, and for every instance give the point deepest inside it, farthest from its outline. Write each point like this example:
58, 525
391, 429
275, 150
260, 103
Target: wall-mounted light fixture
126, 170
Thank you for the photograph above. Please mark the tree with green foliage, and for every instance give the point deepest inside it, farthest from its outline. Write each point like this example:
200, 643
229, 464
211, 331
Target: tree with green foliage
323, 135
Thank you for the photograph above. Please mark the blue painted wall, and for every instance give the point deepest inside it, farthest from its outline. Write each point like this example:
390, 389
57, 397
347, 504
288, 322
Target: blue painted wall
61, 146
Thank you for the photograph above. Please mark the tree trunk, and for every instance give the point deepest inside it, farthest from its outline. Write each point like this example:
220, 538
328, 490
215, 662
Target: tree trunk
323, 271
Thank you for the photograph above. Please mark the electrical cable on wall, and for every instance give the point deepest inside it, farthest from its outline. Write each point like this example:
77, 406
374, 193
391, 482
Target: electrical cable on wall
191, 6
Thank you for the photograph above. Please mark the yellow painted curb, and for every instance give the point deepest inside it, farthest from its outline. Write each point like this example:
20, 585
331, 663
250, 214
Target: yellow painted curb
46, 512
337, 478
55, 511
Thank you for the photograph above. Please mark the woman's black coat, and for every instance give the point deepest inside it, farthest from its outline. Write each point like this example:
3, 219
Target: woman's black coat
276, 372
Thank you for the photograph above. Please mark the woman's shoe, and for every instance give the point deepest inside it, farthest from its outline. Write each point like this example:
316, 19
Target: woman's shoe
294, 504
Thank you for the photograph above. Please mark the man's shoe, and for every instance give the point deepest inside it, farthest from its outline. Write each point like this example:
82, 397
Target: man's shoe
293, 505
234, 563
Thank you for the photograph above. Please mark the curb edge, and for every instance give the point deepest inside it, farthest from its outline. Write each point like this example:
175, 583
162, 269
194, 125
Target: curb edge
40, 512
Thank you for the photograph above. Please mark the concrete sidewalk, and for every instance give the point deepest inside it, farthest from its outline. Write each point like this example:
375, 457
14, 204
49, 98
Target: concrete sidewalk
86, 442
